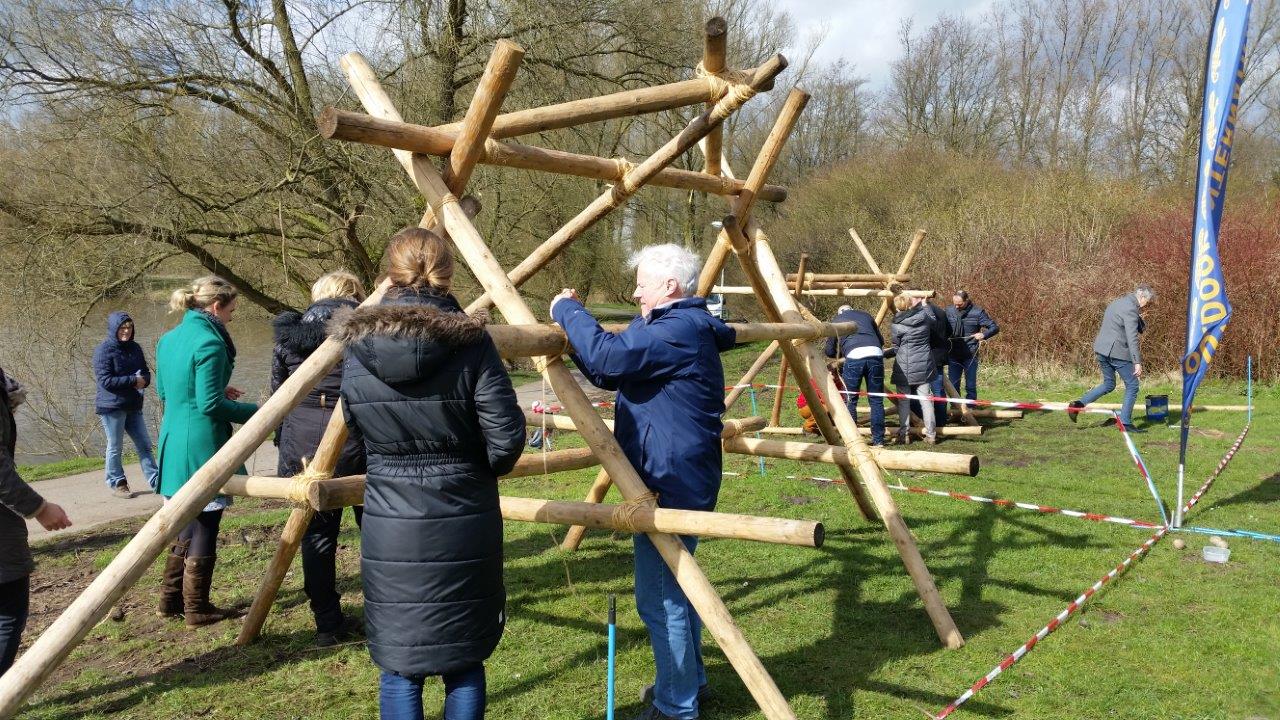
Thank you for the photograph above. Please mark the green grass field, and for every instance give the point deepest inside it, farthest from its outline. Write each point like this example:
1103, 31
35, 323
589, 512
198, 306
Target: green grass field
840, 628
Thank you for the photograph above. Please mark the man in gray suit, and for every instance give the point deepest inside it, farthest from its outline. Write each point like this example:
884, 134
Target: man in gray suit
1118, 349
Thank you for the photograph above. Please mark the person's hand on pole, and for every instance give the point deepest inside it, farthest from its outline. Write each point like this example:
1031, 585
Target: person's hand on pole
565, 294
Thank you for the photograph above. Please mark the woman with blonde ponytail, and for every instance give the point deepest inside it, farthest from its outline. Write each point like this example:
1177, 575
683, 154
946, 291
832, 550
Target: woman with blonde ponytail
424, 388
193, 367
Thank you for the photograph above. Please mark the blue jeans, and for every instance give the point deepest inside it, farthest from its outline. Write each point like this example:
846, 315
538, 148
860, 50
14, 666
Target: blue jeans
871, 371
969, 368
1109, 367
675, 631
400, 696
114, 425
15, 597
940, 408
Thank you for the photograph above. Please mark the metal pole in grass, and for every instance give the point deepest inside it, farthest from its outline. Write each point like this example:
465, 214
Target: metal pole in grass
611, 676
755, 410
1248, 387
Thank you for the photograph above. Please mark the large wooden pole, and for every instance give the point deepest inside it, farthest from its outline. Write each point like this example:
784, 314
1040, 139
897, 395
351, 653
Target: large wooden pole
57, 641
636, 178
909, 460
713, 61
732, 427
866, 254
833, 292
775, 417
880, 278
903, 267
335, 124
762, 263
750, 375
697, 588
520, 341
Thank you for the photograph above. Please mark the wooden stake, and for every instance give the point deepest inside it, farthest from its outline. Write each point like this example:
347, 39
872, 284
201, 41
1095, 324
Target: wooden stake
907, 259
881, 278
909, 460
833, 292
479, 258
713, 61
636, 178
866, 254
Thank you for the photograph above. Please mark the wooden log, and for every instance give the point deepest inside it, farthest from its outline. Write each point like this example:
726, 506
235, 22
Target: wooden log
479, 258
741, 208
851, 285
866, 255
874, 277
907, 259
776, 414
848, 292
750, 375
760, 261
732, 426
335, 124
599, 489
910, 460
962, 409
997, 414
129, 565
638, 176
715, 40
517, 341
947, 431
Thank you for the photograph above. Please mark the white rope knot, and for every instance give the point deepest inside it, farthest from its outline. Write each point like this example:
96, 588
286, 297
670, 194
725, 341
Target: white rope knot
721, 82
623, 516
302, 483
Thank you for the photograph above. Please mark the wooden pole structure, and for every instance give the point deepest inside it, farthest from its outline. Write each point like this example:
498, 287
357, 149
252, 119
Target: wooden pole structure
907, 259
915, 430
335, 124
866, 255
880, 278
833, 292
910, 460
498, 75
93, 604
637, 177
715, 40
479, 258
776, 415
750, 375
521, 341
964, 411
732, 427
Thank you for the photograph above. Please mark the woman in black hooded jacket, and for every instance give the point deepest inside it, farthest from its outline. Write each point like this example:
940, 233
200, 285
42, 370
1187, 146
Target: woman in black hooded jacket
425, 389
297, 335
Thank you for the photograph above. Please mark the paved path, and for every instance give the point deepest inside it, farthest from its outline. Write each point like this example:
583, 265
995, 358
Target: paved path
89, 503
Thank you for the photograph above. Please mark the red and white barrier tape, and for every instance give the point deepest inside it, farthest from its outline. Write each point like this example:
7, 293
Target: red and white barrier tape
1047, 509
1054, 624
1217, 471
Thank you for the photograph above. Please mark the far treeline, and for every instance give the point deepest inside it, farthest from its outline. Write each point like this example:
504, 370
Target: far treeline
1048, 146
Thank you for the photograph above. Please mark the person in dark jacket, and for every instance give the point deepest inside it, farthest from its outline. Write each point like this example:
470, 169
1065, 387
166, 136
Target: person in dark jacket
940, 344
913, 365
18, 500
1118, 347
194, 362
970, 327
122, 373
666, 369
297, 335
424, 389
863, 354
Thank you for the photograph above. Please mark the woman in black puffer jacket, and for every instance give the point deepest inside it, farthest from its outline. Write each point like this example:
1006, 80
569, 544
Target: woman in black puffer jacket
425, 389
297, 335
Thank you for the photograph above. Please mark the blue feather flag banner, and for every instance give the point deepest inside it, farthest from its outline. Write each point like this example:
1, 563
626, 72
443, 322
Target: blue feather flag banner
1208, 309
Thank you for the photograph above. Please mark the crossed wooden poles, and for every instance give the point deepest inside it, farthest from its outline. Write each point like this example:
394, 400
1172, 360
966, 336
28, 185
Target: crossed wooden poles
473, 140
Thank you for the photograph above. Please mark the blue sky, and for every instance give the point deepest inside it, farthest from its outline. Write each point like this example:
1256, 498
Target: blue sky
865, 32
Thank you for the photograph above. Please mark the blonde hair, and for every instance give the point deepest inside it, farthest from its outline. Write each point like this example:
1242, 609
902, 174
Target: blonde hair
416, 258
901, 302
202, 293
337, 284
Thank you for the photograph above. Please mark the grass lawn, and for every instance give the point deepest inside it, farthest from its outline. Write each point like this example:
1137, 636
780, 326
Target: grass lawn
840, 628
73, 466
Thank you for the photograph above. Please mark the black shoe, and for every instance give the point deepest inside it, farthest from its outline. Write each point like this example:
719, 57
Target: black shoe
1074, 404
653, 713
646, 695
325, 639
1134, 429
122, 491
1108, 422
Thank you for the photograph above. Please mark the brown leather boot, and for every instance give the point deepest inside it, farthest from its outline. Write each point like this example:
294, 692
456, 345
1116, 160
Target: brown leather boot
171, 581
196, 582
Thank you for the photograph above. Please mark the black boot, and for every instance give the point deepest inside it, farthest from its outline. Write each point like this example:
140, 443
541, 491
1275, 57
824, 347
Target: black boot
195, 594
171, 581
1074, 405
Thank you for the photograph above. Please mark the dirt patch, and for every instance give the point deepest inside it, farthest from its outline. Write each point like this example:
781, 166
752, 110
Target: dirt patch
1208, 432
798, 499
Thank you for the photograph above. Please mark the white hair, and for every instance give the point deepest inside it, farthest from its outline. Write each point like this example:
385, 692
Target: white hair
1144, 293
843, 308
670, 261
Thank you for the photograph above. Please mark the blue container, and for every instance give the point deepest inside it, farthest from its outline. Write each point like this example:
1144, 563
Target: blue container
1157, 408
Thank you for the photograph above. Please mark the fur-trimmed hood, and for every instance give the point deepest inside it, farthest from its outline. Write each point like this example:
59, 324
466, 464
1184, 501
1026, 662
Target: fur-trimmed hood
406, 337
301, 333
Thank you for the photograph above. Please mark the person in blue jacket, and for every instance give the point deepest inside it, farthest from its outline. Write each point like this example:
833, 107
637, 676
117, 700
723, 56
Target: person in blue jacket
970, 327
863, 354
666, 369
122, 374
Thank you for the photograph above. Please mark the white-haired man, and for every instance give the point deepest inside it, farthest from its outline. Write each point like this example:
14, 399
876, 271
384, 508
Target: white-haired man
1118, 348
666, 369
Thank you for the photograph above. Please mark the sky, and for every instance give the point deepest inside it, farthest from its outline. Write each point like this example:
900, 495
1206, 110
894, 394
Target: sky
865, 32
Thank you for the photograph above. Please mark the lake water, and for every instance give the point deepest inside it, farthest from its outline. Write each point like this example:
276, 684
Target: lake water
53, 357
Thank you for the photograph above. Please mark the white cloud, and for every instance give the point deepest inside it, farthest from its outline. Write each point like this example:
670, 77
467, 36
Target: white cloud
865, 32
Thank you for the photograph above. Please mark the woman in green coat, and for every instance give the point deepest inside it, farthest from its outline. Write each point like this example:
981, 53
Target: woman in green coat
193, 366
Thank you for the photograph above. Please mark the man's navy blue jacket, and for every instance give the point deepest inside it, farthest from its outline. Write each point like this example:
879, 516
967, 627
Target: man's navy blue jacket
666, 369
116, 366
868, 335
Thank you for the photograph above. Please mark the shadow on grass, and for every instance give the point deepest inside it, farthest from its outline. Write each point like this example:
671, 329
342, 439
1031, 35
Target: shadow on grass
1265, 492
